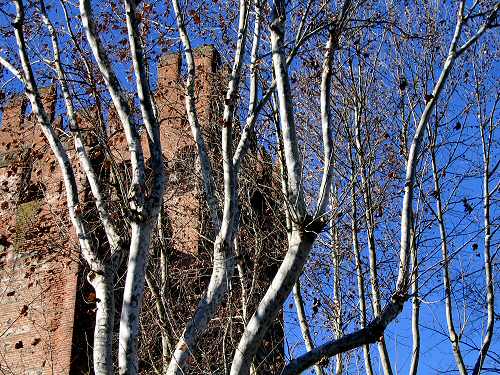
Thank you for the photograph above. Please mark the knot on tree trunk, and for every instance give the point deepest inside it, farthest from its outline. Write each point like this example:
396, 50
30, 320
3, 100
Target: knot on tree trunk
313, 226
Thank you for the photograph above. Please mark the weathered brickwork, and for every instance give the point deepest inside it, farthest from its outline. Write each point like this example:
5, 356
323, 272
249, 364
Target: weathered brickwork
40, 266
39, 258
37, 267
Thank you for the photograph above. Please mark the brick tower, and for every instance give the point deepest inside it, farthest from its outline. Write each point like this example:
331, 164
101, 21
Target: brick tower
38, 262
42, 297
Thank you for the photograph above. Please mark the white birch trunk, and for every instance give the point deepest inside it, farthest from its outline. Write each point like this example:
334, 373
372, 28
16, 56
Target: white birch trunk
133, 294
300, 240
303, 230
304, 325
104, 322
300, 244
293, 161
376, 328
326, 129
137, 190
148, 112
102, 351
406, 211
144, 211
223, 258
86, 164
487, 128
454, 338
370, 228
359, 268
253, 108
415, 312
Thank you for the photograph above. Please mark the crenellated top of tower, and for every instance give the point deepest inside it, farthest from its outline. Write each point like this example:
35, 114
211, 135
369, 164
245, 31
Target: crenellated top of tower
207, 63
19, 131
207, 58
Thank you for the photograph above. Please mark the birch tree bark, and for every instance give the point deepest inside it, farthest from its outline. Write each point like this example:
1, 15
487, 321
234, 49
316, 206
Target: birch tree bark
358, 264
144, 223
486, 126
104, 321
415, 312
375, 329
303, 229
100, 277
454, 338
223, 258
103, 282
370, 225
144, 198
303, 323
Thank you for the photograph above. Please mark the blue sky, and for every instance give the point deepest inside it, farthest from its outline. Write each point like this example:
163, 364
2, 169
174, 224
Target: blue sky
436, 350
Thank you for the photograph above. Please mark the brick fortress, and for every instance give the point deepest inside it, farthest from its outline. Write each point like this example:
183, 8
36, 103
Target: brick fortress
45, 313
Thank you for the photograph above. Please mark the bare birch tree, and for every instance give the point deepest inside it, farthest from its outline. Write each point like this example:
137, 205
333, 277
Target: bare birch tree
261, 78
144, 205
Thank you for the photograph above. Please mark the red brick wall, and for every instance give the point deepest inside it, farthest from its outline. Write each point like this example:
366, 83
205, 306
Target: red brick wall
39, 261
